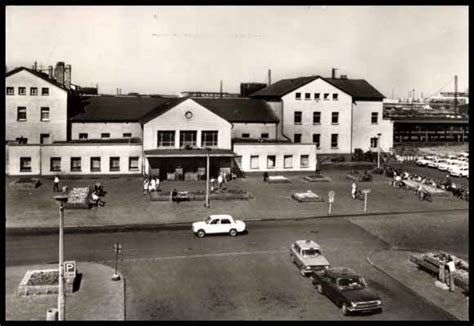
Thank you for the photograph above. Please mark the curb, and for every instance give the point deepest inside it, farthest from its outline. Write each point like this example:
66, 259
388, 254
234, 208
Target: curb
424, 299
179, 225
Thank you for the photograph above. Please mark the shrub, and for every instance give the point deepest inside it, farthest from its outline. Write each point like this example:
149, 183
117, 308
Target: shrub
358, 155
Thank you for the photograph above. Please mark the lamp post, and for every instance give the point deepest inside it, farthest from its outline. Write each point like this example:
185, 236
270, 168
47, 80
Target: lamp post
378, 150
207, 177
61, 298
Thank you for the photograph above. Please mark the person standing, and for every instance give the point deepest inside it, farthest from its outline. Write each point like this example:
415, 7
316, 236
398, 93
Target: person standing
145, 186
152, 185
353, 189
451, 269
219, 181
56, 184
157, 181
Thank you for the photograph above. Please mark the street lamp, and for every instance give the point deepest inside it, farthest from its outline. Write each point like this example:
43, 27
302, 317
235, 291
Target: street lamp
61, 298
378, 150
207, 177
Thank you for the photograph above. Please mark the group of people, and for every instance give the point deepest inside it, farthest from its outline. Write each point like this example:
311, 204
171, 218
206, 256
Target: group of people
97, 192
150, 184
221, 179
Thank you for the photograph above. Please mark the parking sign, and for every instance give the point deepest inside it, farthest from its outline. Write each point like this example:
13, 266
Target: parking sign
70, 269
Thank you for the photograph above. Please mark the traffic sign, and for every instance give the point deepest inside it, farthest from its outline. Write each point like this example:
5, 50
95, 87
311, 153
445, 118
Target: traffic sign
118, 247
70, 269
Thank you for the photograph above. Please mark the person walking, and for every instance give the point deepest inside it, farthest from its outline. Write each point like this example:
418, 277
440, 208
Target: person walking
56, 184
353, 189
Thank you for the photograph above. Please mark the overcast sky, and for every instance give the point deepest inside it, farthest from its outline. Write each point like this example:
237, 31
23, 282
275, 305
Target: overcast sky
165, 50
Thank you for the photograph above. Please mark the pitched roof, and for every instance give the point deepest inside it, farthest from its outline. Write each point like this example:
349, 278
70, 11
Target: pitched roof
117, 108
39, 74
359, 89
167, 104
240, 109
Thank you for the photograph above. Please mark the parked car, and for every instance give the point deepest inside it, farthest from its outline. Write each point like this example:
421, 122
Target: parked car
220, 223
435, 163
307, 255
446, 165
423, 161
457, 166
460, 171
347, 289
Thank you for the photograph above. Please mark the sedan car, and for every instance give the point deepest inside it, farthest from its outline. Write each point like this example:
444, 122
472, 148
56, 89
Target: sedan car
460, 171
307, 255
347, 289
220, 223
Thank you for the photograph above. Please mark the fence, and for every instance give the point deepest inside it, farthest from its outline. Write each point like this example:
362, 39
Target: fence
408, 158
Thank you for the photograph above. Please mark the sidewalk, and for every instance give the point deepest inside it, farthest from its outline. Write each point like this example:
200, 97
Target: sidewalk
397, 265
98, 298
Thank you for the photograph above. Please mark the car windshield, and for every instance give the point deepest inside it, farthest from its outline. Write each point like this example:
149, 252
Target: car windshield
349, 283
311, 252
209, 219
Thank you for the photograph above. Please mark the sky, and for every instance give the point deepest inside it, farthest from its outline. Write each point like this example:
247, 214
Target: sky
169, 49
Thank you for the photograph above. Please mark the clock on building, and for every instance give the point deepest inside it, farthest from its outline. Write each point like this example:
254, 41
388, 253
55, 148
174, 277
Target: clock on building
188, 115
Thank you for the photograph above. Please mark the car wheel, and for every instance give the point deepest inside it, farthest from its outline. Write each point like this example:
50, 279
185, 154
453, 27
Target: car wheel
319, 287
344, 310
233, 233
201, 234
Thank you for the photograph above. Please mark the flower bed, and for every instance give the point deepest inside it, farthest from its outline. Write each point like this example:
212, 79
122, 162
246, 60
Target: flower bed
25, 183
78, 198
278, 179
308, 196
201, 195
316, 178
39, 282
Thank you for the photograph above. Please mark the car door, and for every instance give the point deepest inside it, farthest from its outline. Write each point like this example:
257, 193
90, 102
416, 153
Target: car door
225, 225
299, 256
214, 226
328, 286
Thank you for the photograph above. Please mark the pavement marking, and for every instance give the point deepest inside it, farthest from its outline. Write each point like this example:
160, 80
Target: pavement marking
222, 254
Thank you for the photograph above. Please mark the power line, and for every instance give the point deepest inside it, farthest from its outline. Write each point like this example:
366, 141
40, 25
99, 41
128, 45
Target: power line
442, 87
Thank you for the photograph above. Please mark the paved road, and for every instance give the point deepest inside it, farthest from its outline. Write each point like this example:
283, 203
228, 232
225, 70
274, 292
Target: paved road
175, 275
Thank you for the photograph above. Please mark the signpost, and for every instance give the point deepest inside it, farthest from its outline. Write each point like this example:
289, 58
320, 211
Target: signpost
117, 249
365, 192
69, 269
331, 196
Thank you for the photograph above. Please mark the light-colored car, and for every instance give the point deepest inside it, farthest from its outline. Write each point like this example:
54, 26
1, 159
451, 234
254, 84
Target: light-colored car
436, 163
447, 165
460, 171
423, 161
219, 223
457, 166
307, 255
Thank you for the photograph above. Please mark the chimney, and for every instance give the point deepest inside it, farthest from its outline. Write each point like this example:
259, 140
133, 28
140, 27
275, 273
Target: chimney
269, 77
50, 72
59, 72
333, 73
36, 66
221, 90
67, 77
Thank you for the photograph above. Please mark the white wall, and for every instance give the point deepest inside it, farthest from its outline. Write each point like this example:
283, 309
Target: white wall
174, 119
363, 129
326, 107
33, 126
115, 129
245, 150
254, 130
66, 151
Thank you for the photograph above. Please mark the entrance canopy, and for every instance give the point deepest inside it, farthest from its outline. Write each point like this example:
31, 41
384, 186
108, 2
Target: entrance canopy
189, 153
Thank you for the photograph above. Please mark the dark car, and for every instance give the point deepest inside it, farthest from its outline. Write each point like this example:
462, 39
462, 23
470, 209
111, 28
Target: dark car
347, 289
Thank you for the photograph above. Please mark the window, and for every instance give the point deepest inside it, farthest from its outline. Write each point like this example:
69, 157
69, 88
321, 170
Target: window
316, 118
10, 91
298, 96
165, 139
335, 97
55, 164
187, 138
225, 221
307, 96
375, 118
127, 135
21, 113
25, 164
115, 164
334, 140
245, 135
21, 90
254, 162
297, 138
44, 138
133, 163
271, 161
317, 140
44, 114
83, 135
105, 135
75, 164
297, 117
326, 96
373, 142
288, 161
264, 135
317, 96
209, 138
335, 118
304, 161
33, 91
45, 91
95, 164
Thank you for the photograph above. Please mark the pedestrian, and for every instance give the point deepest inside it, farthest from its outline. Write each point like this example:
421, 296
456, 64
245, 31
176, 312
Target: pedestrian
56, 184
145, 186
152, 185
451, 268
224, 177
174, 195
265, 176
353, 189
219, 181
157, 182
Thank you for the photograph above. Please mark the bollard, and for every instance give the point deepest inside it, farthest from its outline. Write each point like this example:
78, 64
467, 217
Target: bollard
52, 314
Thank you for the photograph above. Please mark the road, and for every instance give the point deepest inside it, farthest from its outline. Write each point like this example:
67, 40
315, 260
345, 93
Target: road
173, 275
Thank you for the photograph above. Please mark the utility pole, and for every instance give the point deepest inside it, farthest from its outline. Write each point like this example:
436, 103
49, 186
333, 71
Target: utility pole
456, 93
207, 178
378, 151
61, 298
221, 89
